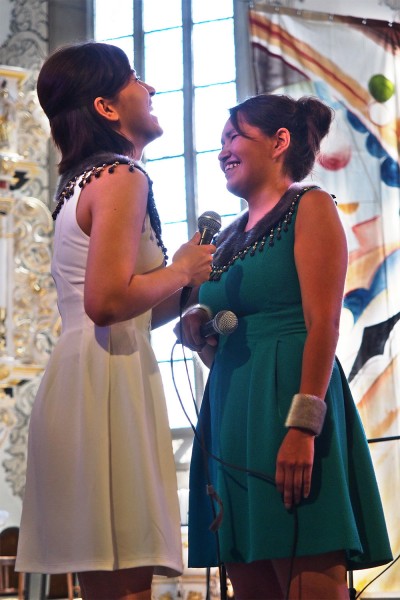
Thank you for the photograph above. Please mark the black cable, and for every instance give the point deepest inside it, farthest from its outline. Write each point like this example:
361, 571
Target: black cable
379, 574
353, 592
214, 497
221, 569
208, 580
257, 474
223, 585
292, 557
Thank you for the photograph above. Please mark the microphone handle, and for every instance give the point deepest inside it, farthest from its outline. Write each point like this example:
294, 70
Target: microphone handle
208, 329
206, 238
224, 323
185, 295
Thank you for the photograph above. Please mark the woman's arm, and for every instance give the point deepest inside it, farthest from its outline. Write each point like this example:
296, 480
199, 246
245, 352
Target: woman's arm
112, 210
169, 308
321, 261
188, 332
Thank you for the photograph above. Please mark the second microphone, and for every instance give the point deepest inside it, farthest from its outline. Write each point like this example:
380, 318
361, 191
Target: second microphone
224, 323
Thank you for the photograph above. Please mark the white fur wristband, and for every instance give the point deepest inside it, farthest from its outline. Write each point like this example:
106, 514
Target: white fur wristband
202, 307
307, 412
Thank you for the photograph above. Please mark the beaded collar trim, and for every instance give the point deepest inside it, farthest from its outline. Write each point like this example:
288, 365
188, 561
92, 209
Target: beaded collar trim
98, 164
234, 243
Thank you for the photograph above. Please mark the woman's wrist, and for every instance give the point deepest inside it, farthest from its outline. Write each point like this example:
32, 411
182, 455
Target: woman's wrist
203, 307
181, 277
307, 412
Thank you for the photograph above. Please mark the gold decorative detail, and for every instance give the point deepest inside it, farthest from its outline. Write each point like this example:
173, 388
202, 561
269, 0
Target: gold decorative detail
4, 371
11, 79
36, 321
6, 203
3, 314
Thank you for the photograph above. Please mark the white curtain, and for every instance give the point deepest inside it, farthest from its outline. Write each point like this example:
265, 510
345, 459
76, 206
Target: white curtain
354, 66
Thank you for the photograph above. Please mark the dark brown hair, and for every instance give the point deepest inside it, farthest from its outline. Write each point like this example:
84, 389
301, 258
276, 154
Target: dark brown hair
308, 120
69, 81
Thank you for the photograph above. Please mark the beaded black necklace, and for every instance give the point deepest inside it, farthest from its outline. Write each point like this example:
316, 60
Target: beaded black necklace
234, 243
101, 162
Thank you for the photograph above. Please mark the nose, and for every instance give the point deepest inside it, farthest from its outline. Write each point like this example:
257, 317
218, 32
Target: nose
223, 154
149, 88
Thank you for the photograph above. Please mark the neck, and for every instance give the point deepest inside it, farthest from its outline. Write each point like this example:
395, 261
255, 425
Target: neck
138, 153
262, 203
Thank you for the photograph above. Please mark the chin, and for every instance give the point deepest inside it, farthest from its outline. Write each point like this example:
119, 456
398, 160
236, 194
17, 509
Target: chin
234, 189
156, 132
157, 125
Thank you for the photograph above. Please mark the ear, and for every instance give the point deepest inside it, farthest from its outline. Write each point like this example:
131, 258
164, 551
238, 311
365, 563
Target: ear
282, 141
105, 108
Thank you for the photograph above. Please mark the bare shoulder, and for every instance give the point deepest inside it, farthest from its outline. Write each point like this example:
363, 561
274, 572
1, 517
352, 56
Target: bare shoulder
318, 219
114, 179
119, 194
121, 188
316, 197
317, 204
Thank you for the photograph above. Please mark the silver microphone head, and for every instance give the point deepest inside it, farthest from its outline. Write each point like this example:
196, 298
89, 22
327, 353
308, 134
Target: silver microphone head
225, 322
209, 223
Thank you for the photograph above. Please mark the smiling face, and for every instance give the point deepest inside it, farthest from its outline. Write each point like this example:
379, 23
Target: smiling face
246, 159
133, 107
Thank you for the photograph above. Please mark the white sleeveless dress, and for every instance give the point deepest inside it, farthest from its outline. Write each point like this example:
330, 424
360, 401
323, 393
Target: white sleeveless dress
101, 489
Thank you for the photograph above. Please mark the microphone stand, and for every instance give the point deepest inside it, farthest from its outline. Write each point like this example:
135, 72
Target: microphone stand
352, 590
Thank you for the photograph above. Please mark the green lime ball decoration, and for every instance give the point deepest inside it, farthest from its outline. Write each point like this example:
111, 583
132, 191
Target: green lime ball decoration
381, 88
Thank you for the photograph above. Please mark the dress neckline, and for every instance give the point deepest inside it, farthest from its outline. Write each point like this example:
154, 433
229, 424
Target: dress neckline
234, 242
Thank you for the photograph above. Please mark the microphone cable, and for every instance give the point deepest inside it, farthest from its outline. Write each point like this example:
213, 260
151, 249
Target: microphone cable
210, 488
358, 594
258, 474
209, 224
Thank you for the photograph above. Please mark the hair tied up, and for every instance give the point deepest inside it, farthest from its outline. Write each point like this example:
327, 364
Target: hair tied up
302, 108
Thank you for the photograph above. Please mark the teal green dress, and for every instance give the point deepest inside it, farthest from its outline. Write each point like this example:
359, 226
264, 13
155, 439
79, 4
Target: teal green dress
255, 374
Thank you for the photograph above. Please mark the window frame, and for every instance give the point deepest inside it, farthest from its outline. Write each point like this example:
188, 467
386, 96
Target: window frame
244, 88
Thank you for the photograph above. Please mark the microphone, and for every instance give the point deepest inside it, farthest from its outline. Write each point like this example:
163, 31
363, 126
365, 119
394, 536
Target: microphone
209, 223
224, 323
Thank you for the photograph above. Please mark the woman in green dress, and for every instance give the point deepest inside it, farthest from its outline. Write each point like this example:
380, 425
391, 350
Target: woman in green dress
279, 438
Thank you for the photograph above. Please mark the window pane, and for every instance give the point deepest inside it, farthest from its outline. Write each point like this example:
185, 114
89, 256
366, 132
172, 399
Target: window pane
211, 186
213, 52
169, 110
113, 23
175, 413
163, 340
214, 75
164, 67
211, 113
169, 188
207, 10
174, 235
161, 14
126, 44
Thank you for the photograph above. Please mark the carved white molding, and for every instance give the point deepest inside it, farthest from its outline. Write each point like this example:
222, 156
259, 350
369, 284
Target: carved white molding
5, 21
26, 47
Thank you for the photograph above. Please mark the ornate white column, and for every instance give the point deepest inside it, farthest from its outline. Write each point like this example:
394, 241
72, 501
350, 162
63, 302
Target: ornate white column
11, 80
6, 267
28, 310
29, 319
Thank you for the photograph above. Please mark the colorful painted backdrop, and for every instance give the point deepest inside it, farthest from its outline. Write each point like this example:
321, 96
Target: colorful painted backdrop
354, 66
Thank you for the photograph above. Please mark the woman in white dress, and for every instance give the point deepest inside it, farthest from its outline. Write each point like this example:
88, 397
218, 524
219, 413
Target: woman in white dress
101, 497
